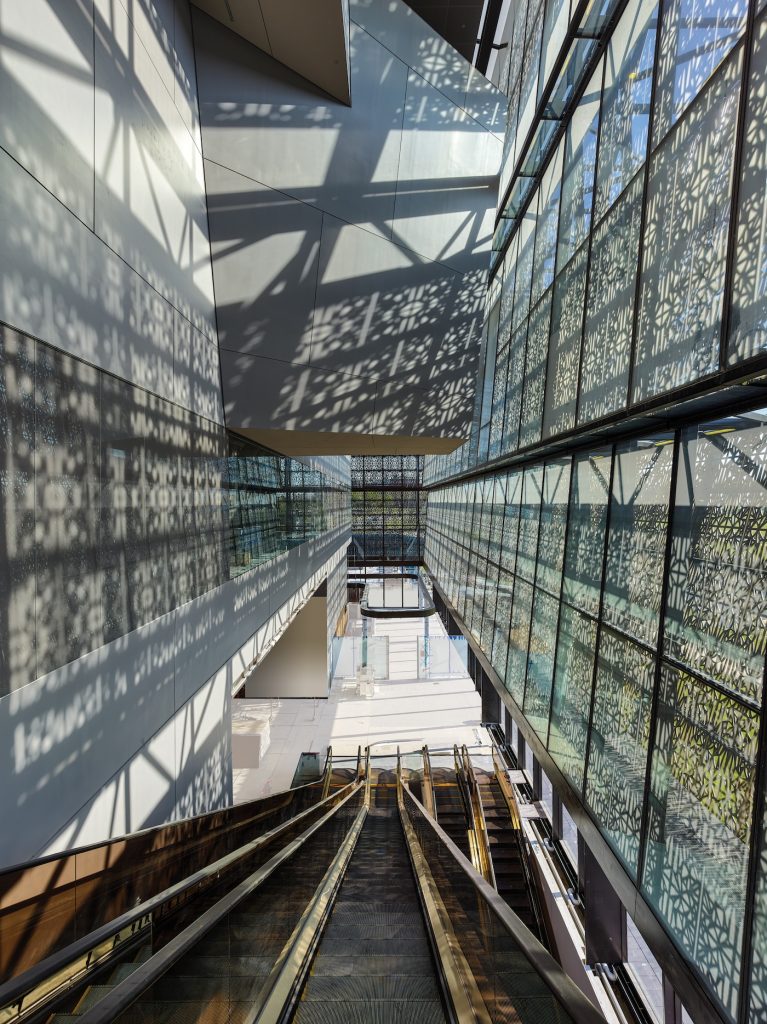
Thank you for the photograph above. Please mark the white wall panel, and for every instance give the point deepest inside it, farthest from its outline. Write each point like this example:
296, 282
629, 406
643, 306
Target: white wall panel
46, 85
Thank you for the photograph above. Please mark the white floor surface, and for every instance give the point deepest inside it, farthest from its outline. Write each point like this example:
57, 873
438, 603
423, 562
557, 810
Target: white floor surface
405, 710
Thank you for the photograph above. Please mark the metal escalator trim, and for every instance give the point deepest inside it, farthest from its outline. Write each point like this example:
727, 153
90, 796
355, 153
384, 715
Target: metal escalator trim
463, 996
506, 791
428, 784
131, 988
510, 800
72, 964
328, 773
462, 783
62, 981
285, 981
480, 825
581, 1009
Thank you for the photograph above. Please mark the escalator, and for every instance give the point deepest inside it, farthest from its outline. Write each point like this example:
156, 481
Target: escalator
449, 797
374, 961
357, 909
506, 848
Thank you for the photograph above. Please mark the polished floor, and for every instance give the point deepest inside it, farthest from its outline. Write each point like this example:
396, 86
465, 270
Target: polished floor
404, 710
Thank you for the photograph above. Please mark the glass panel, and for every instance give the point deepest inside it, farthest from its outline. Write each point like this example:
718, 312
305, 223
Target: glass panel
578, 176
565, 347
645, 970
553, 523
683, 265
716, 618
519, 636
529, 91
513, 408
748, 328
701, 794
501, 624
529, 518
571, 702
511, 521
554, 31
535, 372
570, 77
759, 962
546, 234
523, 281
626, 101
619, 737
610, 308
500, 384
507, 291
540, 661
696, 37
637, 536
586, 530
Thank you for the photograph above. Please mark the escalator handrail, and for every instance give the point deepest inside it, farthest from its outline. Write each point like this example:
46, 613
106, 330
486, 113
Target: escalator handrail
126, 992
277, 999
510, 800
428, 788
564, 989
480, 825
328, 772
14, 990
461, 993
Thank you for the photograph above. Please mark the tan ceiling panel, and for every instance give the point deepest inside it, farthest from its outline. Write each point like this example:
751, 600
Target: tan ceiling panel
242, 16
308, 36
318, 442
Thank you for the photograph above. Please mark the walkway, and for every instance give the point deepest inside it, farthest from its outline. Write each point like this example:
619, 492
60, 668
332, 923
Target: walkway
405, 710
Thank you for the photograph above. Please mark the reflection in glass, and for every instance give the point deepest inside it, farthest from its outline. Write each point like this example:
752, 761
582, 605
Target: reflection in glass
610, 307
513, 409
579, 168
696, 37
535, 372
748, 317
683, 265
571, 700
637, 536
540, 661
626, 101
716, 619
546, 234
590, 493
565, 347
553, 523
619, 736
701, 793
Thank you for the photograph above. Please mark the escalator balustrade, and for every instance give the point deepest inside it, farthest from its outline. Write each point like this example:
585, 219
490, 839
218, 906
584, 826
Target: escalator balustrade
362, 910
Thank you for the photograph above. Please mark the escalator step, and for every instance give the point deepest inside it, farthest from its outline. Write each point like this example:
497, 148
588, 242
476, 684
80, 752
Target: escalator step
419, 1011
355, 925
214, 966
121, 972
371, 946
330, 966
362, 985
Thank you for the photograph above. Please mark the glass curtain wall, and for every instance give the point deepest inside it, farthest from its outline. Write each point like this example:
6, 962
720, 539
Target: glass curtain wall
625, 593
388, 510
118, 506
636, 270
